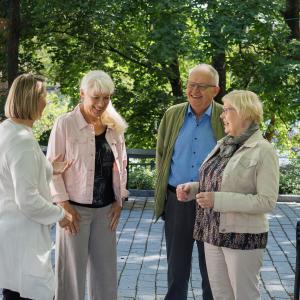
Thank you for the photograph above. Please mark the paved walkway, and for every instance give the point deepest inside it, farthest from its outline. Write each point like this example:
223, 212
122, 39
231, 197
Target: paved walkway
142, 261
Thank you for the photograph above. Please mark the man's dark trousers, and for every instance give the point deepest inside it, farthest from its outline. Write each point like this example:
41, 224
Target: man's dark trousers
179, 225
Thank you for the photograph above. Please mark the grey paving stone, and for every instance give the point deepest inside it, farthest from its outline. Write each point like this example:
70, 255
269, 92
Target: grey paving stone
142, 262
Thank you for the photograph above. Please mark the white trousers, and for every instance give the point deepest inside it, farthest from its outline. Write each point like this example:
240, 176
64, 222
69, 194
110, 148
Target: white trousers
90, 254
233, 274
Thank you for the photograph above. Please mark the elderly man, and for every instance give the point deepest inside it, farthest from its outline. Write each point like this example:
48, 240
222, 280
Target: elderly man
187, 133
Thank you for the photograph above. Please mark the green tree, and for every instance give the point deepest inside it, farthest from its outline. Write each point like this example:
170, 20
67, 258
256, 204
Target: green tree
148, 46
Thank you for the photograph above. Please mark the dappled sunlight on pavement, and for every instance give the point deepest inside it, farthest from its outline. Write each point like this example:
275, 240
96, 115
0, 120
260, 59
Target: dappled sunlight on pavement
142, 260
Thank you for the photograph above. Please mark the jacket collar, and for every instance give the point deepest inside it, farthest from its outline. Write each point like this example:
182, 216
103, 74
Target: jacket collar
251, 142
80, 120
254, 139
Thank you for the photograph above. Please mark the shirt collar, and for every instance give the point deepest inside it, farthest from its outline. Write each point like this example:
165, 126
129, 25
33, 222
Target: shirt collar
207, 112
80, 120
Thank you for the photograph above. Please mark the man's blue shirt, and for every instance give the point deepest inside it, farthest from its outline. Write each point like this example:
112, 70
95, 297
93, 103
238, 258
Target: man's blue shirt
195, 140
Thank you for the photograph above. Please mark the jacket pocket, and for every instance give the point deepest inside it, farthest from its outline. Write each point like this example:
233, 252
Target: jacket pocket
76, 147
248, 163
245, 175
243, 223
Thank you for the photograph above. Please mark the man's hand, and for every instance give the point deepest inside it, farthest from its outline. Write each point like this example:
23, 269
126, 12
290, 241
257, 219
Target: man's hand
205, 199
114, 215
73, 226
182, 192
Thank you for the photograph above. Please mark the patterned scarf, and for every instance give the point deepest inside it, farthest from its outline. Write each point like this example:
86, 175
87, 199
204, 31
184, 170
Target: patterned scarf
231, 143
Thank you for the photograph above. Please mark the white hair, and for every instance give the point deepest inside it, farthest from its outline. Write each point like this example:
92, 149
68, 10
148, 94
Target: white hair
211, 70
100, 82
97, 81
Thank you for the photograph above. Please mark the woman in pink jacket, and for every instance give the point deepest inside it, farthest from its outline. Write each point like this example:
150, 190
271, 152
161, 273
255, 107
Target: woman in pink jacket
92, 191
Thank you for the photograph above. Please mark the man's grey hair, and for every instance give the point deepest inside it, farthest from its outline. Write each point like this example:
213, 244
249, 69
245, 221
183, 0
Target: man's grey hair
214, 73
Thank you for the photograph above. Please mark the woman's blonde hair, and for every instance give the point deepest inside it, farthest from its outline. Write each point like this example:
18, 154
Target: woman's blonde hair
100, 82
24, 96
246, 103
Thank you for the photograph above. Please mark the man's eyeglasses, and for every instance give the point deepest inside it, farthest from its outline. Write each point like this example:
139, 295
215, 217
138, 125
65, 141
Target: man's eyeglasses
225, 110
200, 86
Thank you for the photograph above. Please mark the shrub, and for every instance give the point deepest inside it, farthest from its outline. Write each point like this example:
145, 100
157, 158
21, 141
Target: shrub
141, 178
56, 106
289, 182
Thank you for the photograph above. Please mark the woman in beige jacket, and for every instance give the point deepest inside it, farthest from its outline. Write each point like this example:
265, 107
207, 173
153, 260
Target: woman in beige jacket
238, 185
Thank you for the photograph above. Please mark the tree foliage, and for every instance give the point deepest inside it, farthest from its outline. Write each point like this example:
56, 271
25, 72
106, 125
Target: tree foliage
148, 47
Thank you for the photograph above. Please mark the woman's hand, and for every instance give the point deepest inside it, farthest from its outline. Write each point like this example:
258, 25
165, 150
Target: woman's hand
59, 167
205, 199
182, 192
66, 221
73, 225
114, 215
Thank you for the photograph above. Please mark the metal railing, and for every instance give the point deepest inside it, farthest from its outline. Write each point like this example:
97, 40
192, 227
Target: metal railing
145, 157
141, 154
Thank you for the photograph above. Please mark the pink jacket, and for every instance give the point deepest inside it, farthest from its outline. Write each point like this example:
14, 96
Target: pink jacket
74, 138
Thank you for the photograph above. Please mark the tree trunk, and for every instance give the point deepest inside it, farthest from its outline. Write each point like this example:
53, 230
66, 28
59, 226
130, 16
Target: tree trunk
219, 63
3, 56
291, 16
13, 40
271, 129
175, 81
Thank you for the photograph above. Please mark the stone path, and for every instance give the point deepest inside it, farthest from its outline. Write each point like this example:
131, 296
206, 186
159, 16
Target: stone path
142, 260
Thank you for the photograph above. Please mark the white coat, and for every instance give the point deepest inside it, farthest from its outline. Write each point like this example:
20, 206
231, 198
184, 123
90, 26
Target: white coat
26, 212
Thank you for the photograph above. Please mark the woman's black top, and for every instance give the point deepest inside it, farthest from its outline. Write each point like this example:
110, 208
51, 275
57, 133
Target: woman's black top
103, 193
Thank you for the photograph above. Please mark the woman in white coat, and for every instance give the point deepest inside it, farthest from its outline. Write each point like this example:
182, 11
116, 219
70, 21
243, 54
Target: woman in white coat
238, 185
26, 210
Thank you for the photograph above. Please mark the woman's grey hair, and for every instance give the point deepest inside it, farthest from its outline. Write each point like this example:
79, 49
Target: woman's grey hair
100, 82
213, 72
97, 81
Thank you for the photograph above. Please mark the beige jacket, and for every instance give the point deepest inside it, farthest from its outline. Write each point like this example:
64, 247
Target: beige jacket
249, 187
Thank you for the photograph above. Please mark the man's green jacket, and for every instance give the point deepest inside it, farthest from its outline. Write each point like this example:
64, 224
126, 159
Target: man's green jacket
168, 131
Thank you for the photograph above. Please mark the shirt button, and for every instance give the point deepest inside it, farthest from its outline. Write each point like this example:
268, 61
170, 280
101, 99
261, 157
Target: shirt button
195, 138
192, 166
194, 152
223, 230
